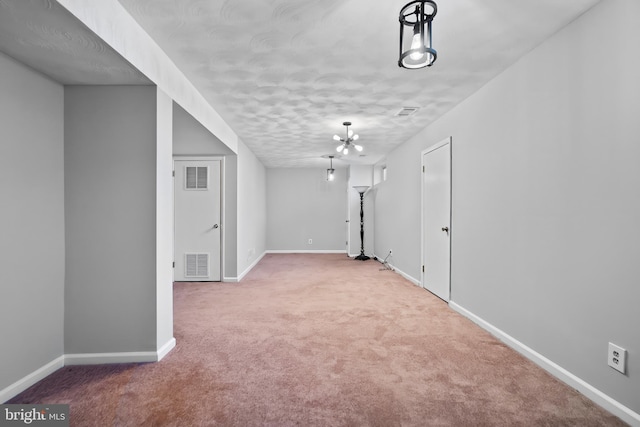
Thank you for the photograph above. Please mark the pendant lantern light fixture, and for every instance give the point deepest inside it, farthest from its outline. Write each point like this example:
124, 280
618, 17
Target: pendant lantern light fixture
348, 141
331, 170
416, 47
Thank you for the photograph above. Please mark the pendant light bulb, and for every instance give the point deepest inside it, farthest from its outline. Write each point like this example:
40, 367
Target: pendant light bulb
336, 138
357, 147
339, 148
345, 151
416, 43
355, 137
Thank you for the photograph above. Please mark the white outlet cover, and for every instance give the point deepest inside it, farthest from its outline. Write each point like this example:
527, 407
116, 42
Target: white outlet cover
617, 357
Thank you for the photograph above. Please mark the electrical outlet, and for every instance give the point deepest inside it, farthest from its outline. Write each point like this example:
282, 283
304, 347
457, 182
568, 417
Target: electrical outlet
617, 357
311, 241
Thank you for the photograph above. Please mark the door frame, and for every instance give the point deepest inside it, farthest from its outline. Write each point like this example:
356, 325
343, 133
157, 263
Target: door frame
179, 157
348, 220
448, 140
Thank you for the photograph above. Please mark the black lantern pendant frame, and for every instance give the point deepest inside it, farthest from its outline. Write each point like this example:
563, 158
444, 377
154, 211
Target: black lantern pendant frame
413, 18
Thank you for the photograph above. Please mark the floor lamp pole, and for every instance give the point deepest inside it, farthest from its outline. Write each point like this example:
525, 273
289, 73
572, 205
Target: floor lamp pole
361, 189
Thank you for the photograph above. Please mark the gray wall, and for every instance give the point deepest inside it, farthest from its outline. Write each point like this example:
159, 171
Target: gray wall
546, 201
303, 205
252, 209
190, 138
31, 221
110, 215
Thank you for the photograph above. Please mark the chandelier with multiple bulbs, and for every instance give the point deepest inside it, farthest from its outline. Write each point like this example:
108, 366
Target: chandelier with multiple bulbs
416, 47
348, 141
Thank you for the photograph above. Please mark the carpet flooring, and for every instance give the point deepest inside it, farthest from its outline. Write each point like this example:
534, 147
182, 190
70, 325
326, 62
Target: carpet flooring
320, 340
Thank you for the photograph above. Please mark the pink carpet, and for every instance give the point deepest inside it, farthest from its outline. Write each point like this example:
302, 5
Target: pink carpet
320, 340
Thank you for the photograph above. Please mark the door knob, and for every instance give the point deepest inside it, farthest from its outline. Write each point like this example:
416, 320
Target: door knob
215, 226
445, 229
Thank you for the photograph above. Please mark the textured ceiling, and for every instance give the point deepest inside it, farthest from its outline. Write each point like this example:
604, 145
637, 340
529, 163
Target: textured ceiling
44, 36
285, 74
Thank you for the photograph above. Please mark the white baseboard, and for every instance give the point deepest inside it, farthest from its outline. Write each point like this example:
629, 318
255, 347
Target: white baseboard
406, 276
108, 358
248, 269
296, 251
165, 349
600, 398
29, 380
402, 273
84, 359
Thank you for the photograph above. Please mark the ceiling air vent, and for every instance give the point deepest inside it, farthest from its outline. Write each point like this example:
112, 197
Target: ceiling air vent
406, 111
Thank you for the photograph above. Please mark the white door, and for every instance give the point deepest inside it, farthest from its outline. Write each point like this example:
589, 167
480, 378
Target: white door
436, 221
197, 220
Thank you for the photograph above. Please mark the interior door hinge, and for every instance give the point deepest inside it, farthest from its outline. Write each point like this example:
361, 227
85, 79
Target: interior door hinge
173, 264
423, 268
422, 169
173, 173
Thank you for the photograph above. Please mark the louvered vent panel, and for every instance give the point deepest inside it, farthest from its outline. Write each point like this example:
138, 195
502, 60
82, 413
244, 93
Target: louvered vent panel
196, 265
202, 177
191, 179
203, 265
196, 177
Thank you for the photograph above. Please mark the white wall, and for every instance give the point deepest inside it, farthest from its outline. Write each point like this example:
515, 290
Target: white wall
110, 215
252, 209
546, 201
303, 205
31, 221
164, 221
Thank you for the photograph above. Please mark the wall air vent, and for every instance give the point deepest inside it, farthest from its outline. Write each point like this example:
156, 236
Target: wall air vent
196, 265
407, 111
196, 177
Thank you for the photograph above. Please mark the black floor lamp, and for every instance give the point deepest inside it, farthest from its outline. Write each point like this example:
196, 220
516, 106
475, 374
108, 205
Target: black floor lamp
361, 189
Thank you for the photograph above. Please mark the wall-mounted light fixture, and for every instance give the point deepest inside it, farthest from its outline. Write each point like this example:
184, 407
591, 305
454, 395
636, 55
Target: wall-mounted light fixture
330, 172
416, 47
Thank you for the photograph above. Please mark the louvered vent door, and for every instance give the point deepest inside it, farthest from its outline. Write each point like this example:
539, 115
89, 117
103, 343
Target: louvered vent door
197, 220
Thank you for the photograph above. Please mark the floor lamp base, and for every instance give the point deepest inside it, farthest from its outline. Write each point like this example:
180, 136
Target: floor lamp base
362, 257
